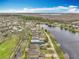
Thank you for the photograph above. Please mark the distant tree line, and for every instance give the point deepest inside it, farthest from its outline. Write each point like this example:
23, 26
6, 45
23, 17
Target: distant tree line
40, 19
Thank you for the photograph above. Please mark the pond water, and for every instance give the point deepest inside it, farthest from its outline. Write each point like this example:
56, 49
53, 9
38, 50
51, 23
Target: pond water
69, 41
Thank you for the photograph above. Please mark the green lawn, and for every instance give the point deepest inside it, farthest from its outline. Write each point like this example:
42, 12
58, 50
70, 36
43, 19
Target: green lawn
47, 51
7, 47
49, 58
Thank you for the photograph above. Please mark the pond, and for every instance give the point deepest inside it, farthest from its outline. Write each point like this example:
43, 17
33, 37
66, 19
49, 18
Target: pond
69, 41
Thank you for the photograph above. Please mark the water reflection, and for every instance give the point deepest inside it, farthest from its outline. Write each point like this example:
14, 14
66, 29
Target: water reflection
69, 40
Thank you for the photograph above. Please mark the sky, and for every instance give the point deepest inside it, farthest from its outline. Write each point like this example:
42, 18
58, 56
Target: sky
39, 6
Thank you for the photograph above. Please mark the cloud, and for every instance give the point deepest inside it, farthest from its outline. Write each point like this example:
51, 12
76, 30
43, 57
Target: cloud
73, 9
58, 9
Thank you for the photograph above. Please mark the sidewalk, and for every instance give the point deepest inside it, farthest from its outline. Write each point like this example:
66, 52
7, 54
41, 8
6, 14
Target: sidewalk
55, 53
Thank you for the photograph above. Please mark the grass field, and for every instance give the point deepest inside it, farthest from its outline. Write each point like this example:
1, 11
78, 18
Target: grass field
7, 47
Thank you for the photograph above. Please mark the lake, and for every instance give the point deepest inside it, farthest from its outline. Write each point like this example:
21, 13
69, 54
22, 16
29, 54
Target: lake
69, 41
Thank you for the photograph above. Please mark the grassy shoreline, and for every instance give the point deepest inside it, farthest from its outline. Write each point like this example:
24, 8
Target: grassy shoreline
57, 48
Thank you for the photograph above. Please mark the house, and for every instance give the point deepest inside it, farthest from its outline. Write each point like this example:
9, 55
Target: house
33, 52
37, 41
